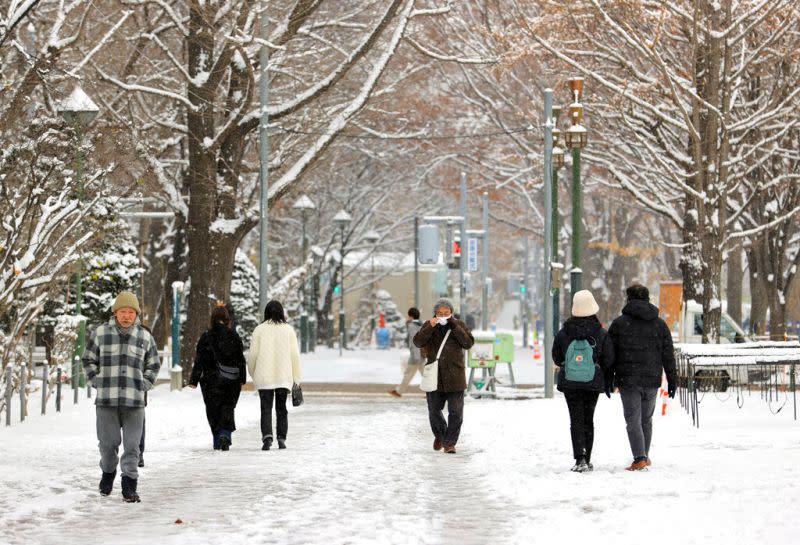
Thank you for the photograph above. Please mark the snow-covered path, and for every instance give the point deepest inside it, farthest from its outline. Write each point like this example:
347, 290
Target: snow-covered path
361, 470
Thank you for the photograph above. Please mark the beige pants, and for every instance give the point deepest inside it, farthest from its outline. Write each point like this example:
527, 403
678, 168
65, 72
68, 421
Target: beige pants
411, 370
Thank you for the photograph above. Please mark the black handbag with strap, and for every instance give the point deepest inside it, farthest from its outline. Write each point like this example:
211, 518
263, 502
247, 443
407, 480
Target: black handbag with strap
225, 372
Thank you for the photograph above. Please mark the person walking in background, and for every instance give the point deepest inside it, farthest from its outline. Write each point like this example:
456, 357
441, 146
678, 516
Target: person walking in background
415, 363
219, 368
452, 380
584, 353
642, 350
144, 417
121, 361
274, 365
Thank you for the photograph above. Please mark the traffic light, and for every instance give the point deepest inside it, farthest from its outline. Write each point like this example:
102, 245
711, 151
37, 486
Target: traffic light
522, 288
337, 289
455, 253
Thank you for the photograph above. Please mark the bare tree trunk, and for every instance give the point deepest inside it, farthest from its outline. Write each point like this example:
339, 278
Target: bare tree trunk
210, 254
758, 294
733, 291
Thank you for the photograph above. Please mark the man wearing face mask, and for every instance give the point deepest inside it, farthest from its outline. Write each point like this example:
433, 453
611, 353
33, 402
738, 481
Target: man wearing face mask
452, 380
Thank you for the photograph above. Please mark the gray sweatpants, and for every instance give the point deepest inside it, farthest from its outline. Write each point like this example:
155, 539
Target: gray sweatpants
110, 422
638, 405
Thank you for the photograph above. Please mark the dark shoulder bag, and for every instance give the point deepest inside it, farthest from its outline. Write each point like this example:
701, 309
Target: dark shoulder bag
225, 372
297, 395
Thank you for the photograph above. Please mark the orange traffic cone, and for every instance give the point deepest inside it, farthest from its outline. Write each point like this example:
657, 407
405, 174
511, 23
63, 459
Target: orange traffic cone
664, 398
537, 353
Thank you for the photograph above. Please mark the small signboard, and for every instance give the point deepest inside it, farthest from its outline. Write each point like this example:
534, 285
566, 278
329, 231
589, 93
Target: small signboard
472, 254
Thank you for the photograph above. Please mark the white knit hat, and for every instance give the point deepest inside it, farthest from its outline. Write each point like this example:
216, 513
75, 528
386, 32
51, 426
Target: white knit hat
583, 304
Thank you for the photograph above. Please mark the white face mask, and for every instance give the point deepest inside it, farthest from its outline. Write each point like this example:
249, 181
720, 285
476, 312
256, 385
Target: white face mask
442, 320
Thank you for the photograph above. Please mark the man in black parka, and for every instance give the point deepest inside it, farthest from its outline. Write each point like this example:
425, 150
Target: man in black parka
642, 349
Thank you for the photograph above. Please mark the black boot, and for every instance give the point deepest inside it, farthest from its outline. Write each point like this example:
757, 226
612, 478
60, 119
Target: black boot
267, 443
129, 490
581, 465
224, 443
107, 483
141, 460
281, 443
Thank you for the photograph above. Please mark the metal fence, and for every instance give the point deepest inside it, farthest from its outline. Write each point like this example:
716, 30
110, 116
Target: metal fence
40, 378
738, 371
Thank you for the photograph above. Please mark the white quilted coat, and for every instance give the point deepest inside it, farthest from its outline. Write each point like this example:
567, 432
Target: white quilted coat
274, 359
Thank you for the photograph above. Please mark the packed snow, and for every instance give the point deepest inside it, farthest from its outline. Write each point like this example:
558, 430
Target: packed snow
359, 469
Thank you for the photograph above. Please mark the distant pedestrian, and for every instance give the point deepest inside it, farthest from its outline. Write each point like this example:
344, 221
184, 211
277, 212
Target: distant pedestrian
219, 368
452, 380
144, 418
274, 364
415, 364
642, 350
121, 361
584, 353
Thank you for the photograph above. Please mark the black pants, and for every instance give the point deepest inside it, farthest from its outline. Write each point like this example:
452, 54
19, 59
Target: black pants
267, 396
446, 431
581, 418
221, 397
141, 441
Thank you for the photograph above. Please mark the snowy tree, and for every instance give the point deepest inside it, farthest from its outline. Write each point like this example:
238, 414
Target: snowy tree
198, 123
111, 268
244, 296
673, 82
395, 319
45, 222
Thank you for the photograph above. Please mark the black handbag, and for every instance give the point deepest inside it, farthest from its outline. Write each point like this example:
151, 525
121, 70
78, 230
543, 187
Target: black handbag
225, 372
297, 395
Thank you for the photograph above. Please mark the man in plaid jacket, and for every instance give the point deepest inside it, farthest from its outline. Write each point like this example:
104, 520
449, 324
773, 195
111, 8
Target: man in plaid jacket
121, 361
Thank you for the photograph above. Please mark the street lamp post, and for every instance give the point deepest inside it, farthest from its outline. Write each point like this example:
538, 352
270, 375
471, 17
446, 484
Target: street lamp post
313, 325
371, 237
576, 139
304, 205
342, 219
549, 279
558, 162
79, 111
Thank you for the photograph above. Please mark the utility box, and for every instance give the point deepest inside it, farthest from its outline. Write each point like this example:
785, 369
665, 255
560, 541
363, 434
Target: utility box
482, 357
504, 353
504, 348
482, 353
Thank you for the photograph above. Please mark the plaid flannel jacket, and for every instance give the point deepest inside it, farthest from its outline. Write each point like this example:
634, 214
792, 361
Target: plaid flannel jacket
121, 367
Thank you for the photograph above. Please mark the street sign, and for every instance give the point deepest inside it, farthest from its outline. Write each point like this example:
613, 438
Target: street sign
428, 244
472, 253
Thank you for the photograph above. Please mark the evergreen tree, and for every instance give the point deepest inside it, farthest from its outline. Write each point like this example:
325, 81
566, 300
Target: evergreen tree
244, 296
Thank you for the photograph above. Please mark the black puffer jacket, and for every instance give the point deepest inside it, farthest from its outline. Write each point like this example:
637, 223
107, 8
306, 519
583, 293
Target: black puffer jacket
642, 347
225, 344
591, 329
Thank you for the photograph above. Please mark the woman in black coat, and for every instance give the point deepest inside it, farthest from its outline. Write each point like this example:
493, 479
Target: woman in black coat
219, 368
582, 390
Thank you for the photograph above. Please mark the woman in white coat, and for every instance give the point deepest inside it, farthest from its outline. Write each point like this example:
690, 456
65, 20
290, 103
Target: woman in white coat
274, 365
